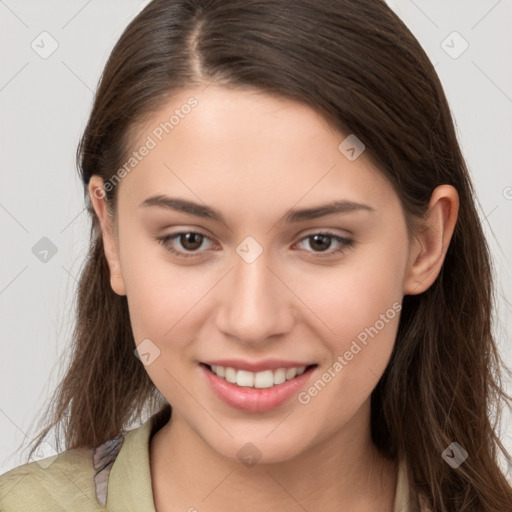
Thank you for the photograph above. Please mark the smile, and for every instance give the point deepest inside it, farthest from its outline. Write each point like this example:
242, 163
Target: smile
260, 380
256, 391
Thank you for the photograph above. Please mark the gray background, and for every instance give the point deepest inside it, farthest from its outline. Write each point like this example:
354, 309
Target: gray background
44, 103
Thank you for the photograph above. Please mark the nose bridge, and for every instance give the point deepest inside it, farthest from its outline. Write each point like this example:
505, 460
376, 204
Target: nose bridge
256, 304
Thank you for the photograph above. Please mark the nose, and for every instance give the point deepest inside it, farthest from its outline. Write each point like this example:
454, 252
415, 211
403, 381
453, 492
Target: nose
257, 306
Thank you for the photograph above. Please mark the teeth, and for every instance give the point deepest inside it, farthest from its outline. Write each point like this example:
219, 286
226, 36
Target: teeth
279, 376
244, 378
230, 375
264, 379
219, 370
290, 373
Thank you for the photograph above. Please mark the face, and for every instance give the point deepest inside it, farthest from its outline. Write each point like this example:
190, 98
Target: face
251, 278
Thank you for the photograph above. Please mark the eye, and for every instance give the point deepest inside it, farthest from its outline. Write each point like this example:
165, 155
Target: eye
322, 241
189, 240
192, 241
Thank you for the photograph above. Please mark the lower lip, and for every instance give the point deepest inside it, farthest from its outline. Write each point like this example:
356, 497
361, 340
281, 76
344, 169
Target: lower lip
254, 399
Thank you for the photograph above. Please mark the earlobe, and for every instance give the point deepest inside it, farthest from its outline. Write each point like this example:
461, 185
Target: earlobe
98, 201
430, 243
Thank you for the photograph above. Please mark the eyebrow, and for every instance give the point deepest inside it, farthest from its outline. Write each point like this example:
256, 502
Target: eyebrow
291, 216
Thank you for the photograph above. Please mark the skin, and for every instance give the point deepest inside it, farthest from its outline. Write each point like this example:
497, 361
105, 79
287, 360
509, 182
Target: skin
252, 157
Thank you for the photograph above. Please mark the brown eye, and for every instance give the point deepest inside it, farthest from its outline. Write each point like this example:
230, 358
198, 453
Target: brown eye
321, 243
188, 242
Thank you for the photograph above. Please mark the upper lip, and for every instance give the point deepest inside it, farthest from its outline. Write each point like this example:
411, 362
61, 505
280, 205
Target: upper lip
256, 366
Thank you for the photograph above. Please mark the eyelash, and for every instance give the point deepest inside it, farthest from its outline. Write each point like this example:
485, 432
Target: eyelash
346, 243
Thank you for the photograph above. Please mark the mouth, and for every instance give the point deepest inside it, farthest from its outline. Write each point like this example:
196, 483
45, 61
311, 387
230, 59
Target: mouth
259, 380
259, 391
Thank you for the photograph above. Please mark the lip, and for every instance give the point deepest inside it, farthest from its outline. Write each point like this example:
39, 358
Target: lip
253, 399
256, 366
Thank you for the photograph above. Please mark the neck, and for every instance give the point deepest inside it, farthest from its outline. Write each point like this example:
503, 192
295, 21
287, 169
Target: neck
187, 474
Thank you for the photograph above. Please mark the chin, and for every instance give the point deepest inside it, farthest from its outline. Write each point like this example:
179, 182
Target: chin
260, 448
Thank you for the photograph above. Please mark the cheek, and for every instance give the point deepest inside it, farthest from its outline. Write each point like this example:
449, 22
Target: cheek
164, 301
364, 315
360, 303
154, 292
352, 296
369, 318
163, 298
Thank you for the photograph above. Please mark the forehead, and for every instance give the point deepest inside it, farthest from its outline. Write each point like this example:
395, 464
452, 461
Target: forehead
249, 150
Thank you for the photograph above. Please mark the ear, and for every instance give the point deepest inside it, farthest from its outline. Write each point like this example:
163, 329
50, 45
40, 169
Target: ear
99, 203
431, 240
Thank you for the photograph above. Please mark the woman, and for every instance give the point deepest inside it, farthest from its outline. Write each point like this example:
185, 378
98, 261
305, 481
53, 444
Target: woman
284, 234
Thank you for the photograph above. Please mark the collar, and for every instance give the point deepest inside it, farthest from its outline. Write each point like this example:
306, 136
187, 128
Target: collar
129, 479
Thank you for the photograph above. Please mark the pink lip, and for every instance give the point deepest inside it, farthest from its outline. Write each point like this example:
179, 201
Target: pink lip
255, 366
253, 399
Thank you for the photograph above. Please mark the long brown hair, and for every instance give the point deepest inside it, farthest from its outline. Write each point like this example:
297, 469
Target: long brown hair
358, 65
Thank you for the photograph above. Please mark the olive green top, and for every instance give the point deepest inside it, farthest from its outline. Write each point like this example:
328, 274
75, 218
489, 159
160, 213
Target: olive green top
115, 477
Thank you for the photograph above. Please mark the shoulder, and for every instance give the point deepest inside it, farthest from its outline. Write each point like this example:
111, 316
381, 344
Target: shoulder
63, 481
83, 479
